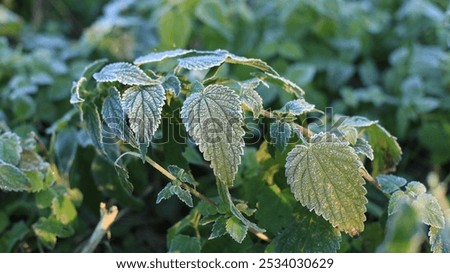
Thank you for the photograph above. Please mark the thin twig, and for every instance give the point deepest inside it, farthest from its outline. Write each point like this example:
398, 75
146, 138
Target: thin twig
107, 217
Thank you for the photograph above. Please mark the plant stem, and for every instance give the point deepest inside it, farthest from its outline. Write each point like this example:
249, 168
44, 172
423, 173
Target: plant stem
369, 178
107, 217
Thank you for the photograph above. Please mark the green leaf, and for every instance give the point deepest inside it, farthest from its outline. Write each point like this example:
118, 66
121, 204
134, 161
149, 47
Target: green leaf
356, 121
14, 235
236, 229
113, 114
214, 120
65, 149
308, 233
440, 237
429, 210
4, 221
93, 67
280, 133
174, 28
113, 181
404, 232
181, 174
251, 98
324, 177
165, 193
160, 56
64, 210
172, 83
13, 179
219, 228
10, 148
47, 229
124, 73
183, 195
91, 119
284, 83
143, 107
391, 183
297, 107
185, 244
387, 152
203, 62
363, 147
257, 63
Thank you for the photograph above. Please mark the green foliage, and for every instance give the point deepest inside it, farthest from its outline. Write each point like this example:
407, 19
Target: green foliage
246, 172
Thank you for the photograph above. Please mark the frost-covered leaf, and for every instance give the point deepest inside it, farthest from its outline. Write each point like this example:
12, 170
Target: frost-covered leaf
124, 73
404, 232
297, 107
391, 183
159, 56
165, 193
386, 150
429, 211
172, 83
93, 67
251, 98
257, 63
143, 107
397, 200
284, 83
350, 134
213, 118
183, 195
203, 62
10, 148
280, 133
236, 229
13, 179
440, 237
91, 119
122, 173
363, 147
181, 174
185, 244
113, 114
324, 177
307, 234
219, 228
356, 121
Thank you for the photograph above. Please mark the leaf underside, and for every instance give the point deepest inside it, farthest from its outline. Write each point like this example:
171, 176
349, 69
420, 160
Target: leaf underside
324, 177
214, 120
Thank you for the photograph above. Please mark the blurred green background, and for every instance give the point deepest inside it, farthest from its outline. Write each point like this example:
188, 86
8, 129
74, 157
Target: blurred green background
388, 60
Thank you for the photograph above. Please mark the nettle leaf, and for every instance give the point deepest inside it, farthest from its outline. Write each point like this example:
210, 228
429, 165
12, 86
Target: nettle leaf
124, 73
356, 121
185, 244
284, 83
236, 229
172, 83
386, 150
113, 114
219, 228
391, 183
308, 233
93, 67
181, 174
143, 107
125, 183
64, 209
160, 56
214, 120
363, 147
324, 177
165, 193
251, 98
183, 195
91, 119
203, 62
425, 204
13, 179
257, 63
280, 133
10, 148
440, 237
297, 107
